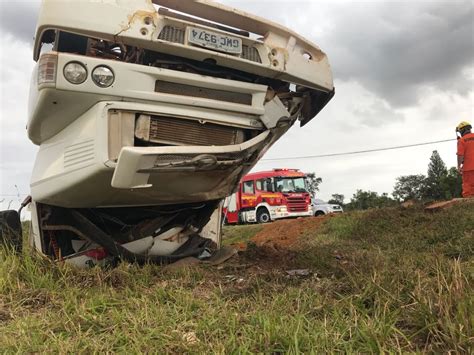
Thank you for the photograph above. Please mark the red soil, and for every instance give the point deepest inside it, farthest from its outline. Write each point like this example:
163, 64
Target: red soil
284, 234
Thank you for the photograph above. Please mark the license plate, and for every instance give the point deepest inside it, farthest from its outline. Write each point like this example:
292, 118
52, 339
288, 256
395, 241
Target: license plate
213, 40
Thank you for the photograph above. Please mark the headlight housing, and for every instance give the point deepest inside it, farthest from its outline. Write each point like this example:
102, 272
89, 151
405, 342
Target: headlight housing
103, 76
75, 72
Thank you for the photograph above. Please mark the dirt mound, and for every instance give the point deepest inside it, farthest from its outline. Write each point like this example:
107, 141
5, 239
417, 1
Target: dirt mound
275, 247
284, 234
441, 205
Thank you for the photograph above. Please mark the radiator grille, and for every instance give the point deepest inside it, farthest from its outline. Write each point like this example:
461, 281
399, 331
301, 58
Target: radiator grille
176, 35
206, 93
297, 204
172, 34
250, 53
176, 131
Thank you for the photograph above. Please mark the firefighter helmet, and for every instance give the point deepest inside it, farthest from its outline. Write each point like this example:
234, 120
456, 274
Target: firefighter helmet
463, 126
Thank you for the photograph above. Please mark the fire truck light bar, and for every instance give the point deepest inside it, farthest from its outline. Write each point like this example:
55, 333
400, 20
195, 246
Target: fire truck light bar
278, 169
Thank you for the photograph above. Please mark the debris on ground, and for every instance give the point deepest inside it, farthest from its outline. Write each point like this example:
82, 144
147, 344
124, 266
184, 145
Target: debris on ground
190, 338
338, 255
181, 263
234, 278
221, 255
298, 272
218, 257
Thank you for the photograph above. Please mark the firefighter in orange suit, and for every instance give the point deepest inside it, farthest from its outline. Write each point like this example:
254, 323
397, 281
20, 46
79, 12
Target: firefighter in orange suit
465, 155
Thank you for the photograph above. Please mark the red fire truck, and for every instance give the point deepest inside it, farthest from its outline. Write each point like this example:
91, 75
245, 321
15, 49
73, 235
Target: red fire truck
268, 195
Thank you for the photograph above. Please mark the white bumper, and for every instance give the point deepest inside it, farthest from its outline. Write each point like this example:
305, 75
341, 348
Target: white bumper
136, 164
279, 213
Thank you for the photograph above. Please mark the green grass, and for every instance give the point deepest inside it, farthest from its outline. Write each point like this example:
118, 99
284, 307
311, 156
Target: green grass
243, 233
386, 280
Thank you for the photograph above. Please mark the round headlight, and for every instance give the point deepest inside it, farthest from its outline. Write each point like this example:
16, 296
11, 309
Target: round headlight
75, 72
103, 76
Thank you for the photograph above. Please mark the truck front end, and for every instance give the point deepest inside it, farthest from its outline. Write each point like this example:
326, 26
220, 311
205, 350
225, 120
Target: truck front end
290, 184
148, 118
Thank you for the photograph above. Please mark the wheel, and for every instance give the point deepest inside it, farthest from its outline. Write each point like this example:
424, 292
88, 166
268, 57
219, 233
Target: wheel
319, 213
10, 230
263, 216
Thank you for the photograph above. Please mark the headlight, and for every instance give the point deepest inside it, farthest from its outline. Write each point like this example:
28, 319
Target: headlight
75, 72
103, 76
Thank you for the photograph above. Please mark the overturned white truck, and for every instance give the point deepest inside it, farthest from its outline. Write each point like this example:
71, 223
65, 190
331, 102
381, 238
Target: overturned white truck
148, 114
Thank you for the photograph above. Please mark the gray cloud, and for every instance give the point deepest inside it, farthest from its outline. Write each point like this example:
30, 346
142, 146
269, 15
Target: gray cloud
392, 48
19, 18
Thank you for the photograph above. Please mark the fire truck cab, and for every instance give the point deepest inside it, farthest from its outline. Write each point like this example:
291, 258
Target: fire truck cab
269, 195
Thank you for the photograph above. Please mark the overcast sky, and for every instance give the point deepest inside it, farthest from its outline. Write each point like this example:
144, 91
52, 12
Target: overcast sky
403, 73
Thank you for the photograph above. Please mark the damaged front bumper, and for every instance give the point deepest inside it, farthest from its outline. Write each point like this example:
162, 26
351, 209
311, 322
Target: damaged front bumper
136, 164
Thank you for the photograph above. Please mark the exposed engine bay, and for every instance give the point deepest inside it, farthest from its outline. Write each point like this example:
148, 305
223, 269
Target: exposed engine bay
135, 234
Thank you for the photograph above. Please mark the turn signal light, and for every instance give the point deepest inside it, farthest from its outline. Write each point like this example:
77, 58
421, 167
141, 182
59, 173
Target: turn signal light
47, 68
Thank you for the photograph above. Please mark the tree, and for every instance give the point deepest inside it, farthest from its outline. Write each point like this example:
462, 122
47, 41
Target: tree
452, 184
337, 199
385, 200
439, 184
409, 187
312, 183
437, 173
363, 200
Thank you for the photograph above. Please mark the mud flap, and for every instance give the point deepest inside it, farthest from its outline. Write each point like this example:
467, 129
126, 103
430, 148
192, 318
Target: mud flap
10, 230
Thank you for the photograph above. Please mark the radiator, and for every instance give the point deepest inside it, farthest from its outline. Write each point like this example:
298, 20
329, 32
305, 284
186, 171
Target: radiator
178, 131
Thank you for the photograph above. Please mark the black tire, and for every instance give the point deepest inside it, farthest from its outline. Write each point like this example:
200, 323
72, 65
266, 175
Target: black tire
319, 213
263, 216
10, 230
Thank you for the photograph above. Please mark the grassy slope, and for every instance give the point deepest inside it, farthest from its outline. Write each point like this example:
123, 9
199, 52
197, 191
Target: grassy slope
385, 280
240, 234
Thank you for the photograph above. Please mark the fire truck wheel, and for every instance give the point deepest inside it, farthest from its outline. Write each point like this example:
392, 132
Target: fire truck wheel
319, 213
263, 216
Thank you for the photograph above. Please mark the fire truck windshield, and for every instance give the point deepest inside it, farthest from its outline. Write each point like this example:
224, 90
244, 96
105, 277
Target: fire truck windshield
290, 184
